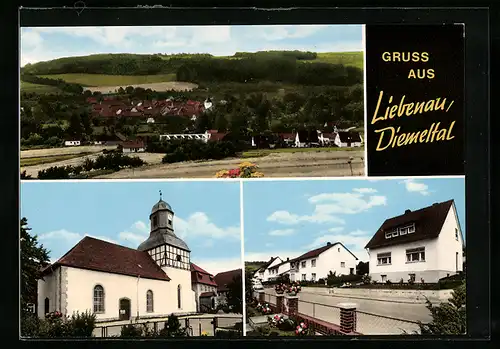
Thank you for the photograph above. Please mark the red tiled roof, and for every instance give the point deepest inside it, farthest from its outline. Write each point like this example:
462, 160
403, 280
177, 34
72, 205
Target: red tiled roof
200, 276
225, 278
428, 223
94, 254
216, 136
133, 144
207, 294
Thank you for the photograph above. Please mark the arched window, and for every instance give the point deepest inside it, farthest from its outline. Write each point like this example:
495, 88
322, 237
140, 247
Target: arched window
149, 301
47, 308
98, 299
179, 304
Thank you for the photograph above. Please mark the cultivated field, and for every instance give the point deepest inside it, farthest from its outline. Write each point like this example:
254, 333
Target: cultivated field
158, 86
111, 80
353, 59
34, 153
300, 164
36, 88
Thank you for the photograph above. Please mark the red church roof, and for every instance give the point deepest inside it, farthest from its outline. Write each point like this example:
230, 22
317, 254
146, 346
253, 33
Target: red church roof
200, 276
98, 255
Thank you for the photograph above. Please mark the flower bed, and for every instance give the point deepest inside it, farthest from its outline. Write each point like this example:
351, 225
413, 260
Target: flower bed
245, 170
264, 308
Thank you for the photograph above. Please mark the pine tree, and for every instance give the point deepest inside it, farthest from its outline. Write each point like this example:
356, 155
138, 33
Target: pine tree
448, 318
33, 258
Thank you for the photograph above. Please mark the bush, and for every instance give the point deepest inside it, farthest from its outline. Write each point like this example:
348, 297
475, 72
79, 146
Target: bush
448, 318
131, 331
227, 334
30, 324
57, 326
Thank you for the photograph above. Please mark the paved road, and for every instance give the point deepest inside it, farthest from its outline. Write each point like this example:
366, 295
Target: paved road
374, 317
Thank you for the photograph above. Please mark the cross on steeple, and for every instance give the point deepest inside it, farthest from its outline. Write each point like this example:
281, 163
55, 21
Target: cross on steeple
160, 194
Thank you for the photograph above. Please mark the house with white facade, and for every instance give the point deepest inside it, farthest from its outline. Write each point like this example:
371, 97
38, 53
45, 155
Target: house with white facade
424, 244
133, 147
280, 270
264, 273
120, 283
318, 263
72, 143
348, 139
204, 287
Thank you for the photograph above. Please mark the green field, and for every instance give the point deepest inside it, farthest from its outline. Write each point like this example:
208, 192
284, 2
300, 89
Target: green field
94, 80
36, 88
354, 59
49, 159
264, 152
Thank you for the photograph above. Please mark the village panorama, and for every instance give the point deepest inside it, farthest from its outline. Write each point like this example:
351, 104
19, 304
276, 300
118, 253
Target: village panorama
285, 113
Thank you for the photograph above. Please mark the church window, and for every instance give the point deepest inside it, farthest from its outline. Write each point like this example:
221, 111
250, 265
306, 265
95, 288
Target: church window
47, 308
149, 301
179, 303
98, 299
155, 221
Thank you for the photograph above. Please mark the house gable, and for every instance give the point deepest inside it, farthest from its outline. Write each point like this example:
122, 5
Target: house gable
425, 223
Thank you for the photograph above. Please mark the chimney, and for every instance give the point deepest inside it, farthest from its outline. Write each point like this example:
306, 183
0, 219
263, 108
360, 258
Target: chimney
287, 259
407, 211
328, 243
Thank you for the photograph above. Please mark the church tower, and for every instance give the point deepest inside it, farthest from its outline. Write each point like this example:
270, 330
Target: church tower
166, 249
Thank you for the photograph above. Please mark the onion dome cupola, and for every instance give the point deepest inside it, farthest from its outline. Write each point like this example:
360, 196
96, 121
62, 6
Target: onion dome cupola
162, 228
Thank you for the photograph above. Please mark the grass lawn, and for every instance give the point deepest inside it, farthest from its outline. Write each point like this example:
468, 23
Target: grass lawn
36, 88
264, 152
49, 159
111, 80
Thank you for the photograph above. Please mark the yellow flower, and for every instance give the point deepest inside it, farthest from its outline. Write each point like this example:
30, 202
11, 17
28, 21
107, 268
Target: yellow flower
247, 164
204, 333
257, 174
222, 174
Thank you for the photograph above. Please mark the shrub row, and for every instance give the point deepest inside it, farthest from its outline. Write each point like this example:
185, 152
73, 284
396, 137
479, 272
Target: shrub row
110, 161
57, 326
59, 83
190, 150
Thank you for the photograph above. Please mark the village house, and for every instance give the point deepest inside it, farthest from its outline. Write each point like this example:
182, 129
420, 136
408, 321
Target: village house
72, 143
224, 281
426, 244
318, 263
264, 273
311, 266
204, 287
348, 139
120, 283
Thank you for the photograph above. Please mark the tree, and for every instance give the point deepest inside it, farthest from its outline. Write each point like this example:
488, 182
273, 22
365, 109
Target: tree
362, 268
235, 295
448, 318
33, 258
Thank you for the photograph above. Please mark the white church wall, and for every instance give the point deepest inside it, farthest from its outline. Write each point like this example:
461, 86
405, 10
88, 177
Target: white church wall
181, 277
49, 287
81, 284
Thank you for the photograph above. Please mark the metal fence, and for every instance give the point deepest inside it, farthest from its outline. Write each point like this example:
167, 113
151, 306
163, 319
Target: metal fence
366, 323
195, 325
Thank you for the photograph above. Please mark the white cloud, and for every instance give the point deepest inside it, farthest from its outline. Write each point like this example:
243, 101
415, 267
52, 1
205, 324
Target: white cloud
31, 39
217, 265
70, 237
319, 216
416, 187
346, 203
365, 190
199, 225
336, 229
282, 232
275, 33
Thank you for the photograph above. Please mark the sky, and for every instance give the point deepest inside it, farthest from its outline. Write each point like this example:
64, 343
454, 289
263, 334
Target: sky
46, 43
206, 216
293, 217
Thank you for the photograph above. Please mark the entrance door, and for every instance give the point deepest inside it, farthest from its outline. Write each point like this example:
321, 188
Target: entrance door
213, 303
124, 309
351, 271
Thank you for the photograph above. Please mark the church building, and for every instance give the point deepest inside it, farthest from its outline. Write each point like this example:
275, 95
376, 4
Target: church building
121, 283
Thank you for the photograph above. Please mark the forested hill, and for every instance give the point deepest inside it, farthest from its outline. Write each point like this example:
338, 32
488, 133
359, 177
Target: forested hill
292, 67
